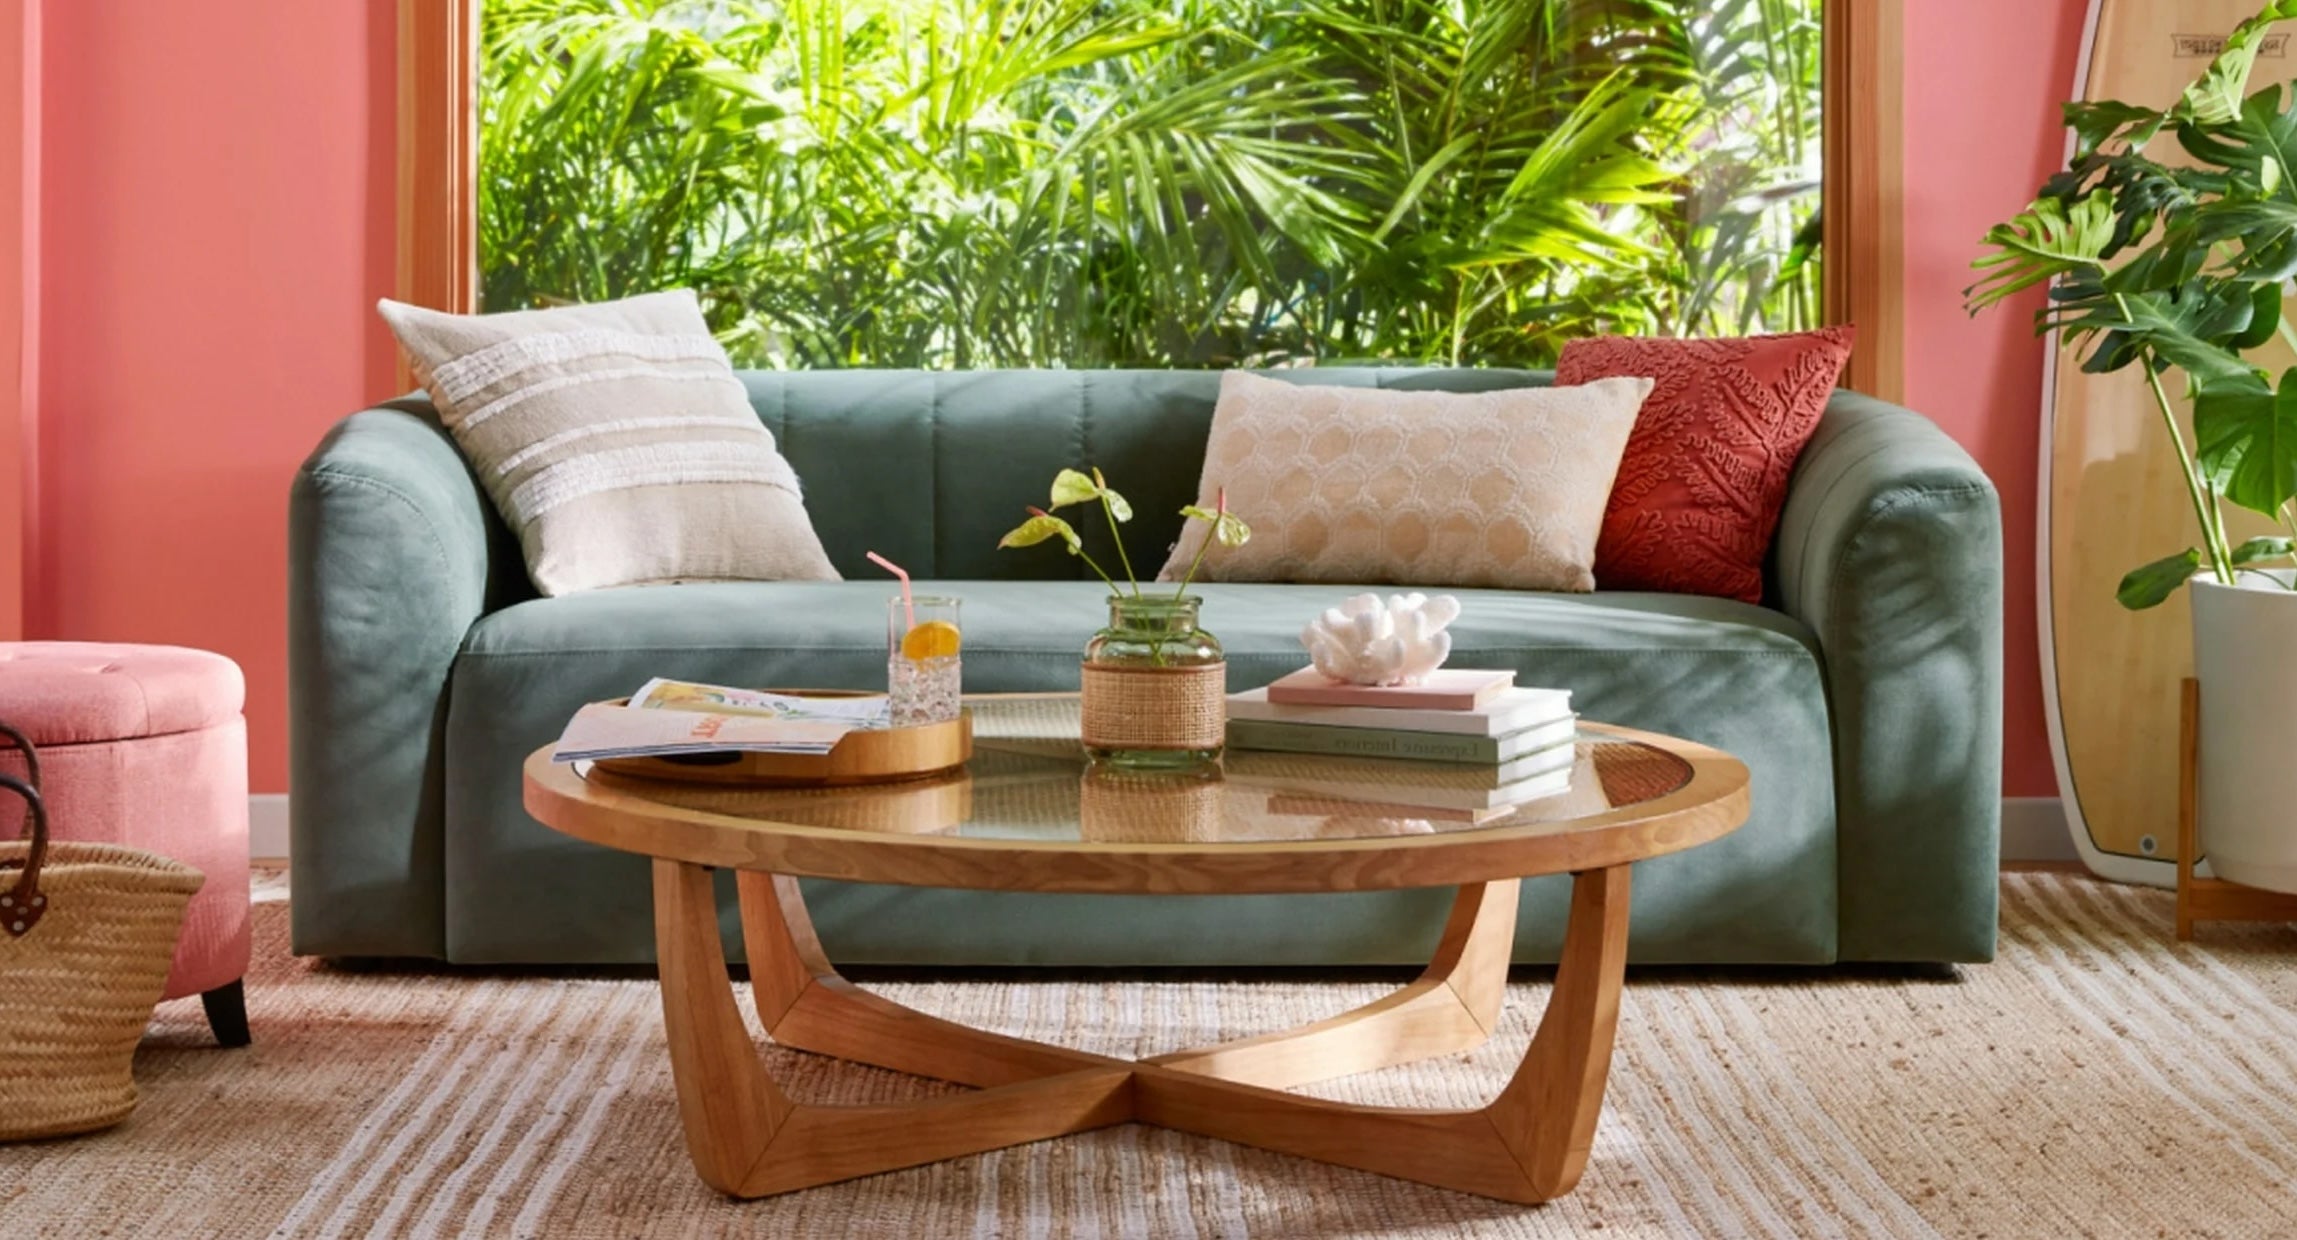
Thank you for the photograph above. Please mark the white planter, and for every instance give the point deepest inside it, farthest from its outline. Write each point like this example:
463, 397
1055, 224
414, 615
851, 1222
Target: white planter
2245, 654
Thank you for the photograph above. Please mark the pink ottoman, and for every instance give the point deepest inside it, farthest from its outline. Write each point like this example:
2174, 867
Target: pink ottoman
145, 746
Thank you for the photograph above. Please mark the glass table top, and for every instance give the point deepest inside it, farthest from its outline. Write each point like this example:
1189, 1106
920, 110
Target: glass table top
1029, 780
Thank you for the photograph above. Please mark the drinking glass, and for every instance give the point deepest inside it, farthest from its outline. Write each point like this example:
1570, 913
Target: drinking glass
922, 659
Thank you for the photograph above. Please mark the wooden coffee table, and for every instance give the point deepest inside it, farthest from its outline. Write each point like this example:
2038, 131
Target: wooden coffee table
1027, 815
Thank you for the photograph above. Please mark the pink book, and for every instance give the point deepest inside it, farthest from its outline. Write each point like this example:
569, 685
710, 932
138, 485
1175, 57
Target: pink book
1446, 688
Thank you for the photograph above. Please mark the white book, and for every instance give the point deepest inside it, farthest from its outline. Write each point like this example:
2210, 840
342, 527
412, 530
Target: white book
1398, 781
1328, 805
1512, 711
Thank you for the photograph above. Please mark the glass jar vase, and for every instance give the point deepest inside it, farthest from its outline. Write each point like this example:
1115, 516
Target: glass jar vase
1155, 686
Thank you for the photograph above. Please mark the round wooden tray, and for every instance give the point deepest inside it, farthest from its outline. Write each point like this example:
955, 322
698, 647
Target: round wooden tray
859, 758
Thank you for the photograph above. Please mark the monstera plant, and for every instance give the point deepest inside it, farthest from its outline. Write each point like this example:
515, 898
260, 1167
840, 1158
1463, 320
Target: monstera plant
2180, 270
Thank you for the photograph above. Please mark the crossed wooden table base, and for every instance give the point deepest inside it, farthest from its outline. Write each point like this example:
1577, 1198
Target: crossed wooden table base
750, 1140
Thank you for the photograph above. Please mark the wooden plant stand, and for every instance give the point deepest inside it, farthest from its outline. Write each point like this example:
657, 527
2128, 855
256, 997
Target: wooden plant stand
2209, 899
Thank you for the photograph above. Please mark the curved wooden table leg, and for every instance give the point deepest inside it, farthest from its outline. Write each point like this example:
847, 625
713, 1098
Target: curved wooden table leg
748, 1139
1529, 1144
731, 1110
805, 1005
1548, 1111
1453, 1006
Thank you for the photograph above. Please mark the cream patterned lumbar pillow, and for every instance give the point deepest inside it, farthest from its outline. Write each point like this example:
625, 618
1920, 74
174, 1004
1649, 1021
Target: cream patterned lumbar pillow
1369, 486
616, 442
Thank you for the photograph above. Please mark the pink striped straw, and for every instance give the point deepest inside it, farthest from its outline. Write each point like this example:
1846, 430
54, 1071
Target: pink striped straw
908, 606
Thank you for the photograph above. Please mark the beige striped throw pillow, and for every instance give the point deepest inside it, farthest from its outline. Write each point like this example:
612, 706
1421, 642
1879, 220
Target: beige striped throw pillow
616, 442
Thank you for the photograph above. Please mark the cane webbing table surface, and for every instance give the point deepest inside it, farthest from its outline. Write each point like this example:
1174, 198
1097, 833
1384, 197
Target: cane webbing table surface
1028, 814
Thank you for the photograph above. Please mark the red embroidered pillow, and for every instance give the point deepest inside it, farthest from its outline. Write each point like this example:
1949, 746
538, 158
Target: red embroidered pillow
1705, 475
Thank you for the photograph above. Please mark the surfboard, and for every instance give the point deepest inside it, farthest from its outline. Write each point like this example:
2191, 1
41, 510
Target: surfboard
2111, 499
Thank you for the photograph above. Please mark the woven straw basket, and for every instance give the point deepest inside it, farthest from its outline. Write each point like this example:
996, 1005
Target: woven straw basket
86, 935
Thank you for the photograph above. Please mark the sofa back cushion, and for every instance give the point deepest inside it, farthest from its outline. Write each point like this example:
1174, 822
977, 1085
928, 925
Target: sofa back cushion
929, 468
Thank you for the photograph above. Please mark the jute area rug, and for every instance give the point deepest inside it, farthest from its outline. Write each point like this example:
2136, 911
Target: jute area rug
2094, 1081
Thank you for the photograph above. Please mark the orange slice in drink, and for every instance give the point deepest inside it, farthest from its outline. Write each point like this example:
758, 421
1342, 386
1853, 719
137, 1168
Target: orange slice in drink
934, 639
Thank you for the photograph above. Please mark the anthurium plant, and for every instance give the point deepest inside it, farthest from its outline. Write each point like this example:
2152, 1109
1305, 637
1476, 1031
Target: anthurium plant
1073, 487
2180, 270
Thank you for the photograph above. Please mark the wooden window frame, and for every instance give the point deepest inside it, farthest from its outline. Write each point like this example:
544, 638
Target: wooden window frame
1862, 198
439, 154
19, 316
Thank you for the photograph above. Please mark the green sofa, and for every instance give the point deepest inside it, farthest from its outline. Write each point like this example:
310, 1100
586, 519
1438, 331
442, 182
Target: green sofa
1865, 697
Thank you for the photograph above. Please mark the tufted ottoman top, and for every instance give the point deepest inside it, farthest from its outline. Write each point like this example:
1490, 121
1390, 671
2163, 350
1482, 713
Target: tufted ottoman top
75, 693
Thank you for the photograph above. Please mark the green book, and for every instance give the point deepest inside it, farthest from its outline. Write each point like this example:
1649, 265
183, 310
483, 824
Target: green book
1398, 743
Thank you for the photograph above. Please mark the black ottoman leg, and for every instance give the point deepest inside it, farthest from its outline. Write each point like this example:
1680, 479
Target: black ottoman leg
227, 1013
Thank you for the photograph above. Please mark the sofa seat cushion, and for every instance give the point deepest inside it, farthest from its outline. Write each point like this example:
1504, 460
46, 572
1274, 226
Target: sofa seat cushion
1028, 635
1713, 670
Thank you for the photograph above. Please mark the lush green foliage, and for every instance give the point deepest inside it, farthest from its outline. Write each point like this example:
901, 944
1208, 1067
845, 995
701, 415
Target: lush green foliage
1157, 182
2181, 267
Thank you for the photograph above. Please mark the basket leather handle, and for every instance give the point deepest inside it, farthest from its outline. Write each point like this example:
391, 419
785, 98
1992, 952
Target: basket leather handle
31, 762
22, 905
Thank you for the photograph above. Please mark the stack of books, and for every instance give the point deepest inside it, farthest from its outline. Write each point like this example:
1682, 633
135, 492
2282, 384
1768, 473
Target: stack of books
1515, 743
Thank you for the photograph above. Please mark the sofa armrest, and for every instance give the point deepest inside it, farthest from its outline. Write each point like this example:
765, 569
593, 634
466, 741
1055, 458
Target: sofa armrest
391, 558
1890, 549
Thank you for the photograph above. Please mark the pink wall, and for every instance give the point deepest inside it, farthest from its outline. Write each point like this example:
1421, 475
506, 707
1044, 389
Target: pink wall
217, 188
1983, 83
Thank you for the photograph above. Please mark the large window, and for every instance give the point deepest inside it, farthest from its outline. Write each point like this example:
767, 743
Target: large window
963, 183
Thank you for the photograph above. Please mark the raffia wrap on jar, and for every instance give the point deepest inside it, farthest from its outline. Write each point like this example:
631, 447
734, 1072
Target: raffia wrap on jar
1155, 708
86, 935
1155, 685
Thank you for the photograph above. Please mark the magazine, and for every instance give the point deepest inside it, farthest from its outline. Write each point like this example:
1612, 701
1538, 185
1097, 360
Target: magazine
668, 717
868, 711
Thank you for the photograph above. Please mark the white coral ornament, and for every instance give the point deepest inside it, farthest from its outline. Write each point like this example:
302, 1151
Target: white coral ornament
1368, 642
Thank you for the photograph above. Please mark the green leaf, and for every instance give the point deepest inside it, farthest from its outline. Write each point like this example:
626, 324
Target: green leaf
1228, 529
1072, 487
2263, 547
2095, 124
2046, 240
2264, 317
2245, 441
2215, 97
1039, 528
1118, 509
2152, 585
2189, 327
1418, 185
2266, 232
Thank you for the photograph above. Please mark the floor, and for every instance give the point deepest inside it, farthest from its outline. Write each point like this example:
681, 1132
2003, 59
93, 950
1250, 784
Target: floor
2094, 1080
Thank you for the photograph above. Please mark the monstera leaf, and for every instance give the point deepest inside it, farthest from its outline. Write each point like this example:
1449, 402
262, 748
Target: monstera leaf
2142, 192
2045, 241
2259, 138
2215, 97
2109, 120
2245, 440
2183, 265
2190, 326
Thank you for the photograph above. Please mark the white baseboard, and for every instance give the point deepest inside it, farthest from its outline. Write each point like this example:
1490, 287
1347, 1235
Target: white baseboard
2033, 829
267, 826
